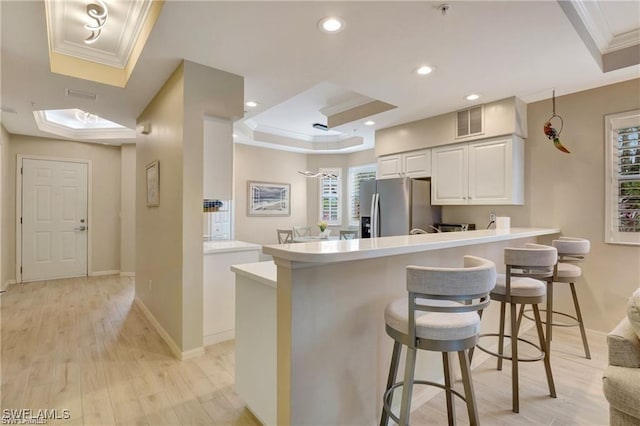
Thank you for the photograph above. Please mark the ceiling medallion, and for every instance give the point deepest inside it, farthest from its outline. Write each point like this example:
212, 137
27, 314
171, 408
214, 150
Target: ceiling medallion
99, 13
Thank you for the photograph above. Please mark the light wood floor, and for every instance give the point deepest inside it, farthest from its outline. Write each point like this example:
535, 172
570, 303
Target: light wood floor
80, 344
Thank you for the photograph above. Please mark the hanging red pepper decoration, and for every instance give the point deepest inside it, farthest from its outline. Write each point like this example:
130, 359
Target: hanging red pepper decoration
550, 131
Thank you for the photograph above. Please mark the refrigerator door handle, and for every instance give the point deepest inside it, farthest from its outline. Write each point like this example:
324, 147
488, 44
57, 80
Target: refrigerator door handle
375, 215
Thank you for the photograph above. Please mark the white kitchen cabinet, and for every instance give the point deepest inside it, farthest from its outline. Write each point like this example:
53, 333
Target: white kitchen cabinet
219, 291
410, 164
479, 173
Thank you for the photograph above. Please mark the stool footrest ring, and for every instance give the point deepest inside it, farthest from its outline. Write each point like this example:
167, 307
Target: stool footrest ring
503, 356
575, 322
387, 394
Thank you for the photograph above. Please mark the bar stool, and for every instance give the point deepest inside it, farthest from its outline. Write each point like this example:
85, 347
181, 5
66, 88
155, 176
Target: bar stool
570, 251
440, 314
528, 265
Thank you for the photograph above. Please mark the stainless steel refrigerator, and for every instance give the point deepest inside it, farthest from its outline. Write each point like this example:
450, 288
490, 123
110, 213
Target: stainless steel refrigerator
396, 206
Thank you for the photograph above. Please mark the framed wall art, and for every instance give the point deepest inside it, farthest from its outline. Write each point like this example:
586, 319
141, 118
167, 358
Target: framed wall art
268, 199
153, 184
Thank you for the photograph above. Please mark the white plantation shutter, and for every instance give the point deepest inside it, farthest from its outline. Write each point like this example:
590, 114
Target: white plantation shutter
357, 175
623, 173
330, 197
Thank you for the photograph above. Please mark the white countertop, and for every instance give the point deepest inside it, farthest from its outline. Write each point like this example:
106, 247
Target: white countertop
347, 250
228, 246
263, 272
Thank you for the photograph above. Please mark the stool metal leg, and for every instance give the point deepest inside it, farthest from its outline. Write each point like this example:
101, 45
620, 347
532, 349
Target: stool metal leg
547, 361
549, 335
407, 389
520, 315
514, 360
587, 353
393, 372
473, 348
448, 382
469, 393
501, 337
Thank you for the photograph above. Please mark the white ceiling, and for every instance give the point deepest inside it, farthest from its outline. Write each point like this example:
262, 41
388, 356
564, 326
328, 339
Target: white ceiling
497, 49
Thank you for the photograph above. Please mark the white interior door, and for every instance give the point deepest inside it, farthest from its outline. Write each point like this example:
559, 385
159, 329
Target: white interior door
54, 219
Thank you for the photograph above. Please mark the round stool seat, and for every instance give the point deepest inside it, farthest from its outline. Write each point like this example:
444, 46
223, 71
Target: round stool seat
433, 325
523, 287
568, 270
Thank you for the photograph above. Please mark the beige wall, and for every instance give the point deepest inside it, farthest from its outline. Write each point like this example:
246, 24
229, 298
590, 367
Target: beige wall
159, 229
169, 237
342, 161
567, 191
128, 209
267, 165
5, 211
105, 190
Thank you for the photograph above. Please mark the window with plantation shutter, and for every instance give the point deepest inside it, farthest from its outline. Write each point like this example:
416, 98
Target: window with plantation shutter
623, 174
357, 175
330, 196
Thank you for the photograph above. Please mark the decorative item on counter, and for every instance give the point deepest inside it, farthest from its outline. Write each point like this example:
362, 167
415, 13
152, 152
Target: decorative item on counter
324, 232
211, 205
551, 133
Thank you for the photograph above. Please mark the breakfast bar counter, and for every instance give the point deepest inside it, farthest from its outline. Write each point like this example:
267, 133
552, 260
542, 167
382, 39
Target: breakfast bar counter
332, 350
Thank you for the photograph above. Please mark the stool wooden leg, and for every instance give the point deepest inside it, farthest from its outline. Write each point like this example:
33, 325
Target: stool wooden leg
469, 394
547, 361
448, 383
514, 360
501, 337
393, 372
587, 353
407, 389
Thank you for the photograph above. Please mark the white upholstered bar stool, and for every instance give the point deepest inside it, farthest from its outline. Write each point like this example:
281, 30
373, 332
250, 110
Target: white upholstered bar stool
521, 285
439, 314
570, 251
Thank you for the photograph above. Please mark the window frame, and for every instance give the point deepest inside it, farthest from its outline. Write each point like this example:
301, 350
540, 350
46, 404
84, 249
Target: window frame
372, 167
338, 172
613, 122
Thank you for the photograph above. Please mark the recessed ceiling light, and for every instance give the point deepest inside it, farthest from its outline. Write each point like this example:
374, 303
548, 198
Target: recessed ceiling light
424, 70
234, 135
369, 123
251, 104
331, 24
472, 97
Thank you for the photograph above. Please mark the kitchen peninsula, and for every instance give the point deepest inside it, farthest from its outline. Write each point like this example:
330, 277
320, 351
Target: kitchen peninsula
332, 351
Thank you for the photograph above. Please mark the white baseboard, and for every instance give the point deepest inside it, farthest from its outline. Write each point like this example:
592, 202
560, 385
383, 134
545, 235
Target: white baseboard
175, 349
102, 273
223, 336
7, 284
127, 274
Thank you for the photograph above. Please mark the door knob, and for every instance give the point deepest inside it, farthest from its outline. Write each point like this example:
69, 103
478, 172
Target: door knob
82, 228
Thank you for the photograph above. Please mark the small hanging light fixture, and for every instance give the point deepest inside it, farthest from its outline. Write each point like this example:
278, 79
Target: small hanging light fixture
323, 175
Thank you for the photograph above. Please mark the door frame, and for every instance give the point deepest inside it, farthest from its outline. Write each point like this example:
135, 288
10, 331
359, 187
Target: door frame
19, 207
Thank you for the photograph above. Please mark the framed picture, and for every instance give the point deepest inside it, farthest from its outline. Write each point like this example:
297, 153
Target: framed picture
268, 199
153, 184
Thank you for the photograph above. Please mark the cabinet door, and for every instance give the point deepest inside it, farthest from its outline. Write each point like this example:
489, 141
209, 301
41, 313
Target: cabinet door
491, 173
417, 163
449, 182
389, 166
